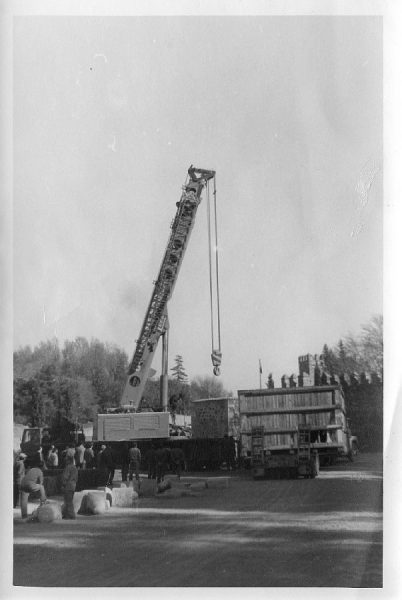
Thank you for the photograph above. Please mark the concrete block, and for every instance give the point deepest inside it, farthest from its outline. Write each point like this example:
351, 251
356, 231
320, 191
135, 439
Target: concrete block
46, 513
124, 497
96, 502
163, 486
198, 486
49, 512
217, 482
146, 488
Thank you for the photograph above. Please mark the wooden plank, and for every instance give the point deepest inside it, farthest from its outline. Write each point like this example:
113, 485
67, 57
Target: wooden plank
293, 410
294, 430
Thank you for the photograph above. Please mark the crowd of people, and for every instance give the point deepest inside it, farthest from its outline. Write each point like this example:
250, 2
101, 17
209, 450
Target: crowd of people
29, 475
159, 459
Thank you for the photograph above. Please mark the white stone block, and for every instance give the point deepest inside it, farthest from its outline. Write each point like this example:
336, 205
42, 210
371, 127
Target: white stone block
124, 497
46, 513
96, 502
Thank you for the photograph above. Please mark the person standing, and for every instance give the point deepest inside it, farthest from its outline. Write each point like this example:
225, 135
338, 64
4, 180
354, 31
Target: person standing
99, 460
53, 458
134, 455
19, 472
151, 462
124, 462
229, 452
69, 480
89, 456
106, 462
79, 455
162, 461
177, 459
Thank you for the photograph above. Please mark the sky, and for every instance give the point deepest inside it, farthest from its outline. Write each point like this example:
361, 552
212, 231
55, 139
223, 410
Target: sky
109, 113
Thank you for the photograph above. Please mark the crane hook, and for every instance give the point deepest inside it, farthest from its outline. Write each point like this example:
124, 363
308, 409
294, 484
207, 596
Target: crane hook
216, 357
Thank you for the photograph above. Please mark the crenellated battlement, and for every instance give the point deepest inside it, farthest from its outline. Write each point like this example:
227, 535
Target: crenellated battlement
312, 373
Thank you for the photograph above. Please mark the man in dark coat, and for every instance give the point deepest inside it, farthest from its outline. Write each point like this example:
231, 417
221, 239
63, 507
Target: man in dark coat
162, 462
69, 480
229, 451
124, 462
107, 464
177, 460
151, 462
89, 456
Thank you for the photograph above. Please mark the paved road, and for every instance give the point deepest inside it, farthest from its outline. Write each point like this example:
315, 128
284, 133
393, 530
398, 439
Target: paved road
322, 532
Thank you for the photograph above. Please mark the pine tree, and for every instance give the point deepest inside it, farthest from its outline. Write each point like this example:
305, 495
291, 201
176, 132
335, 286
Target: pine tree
178, 370
329, 359
342, 356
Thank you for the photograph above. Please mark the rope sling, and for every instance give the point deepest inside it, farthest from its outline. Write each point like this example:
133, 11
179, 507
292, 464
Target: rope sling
216, 354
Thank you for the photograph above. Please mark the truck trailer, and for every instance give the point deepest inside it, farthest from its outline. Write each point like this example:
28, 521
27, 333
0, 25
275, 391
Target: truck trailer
282, 411
302, 461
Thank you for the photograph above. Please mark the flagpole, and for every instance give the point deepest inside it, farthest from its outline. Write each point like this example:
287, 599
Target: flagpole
260, 370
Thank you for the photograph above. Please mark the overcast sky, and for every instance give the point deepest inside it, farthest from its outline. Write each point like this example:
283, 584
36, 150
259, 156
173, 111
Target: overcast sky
110, 112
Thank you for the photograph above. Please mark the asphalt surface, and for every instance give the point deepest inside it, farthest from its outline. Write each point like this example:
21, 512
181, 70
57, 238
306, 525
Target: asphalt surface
272, 533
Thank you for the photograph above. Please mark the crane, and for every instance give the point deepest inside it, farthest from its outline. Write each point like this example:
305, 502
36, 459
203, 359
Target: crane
156, 322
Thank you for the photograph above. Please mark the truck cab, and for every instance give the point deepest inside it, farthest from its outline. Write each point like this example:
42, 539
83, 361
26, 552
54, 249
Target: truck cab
40, 439
34, 439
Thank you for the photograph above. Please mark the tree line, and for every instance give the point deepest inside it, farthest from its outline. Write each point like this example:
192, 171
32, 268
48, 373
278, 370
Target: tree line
362, 353
75, 381
357, 363
358, 355
82, 378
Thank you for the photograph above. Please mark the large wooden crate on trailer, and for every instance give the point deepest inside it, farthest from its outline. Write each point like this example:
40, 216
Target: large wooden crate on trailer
281, 410
131, 426
215, 417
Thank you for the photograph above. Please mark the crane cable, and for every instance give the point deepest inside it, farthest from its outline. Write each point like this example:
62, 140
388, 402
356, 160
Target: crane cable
216, 355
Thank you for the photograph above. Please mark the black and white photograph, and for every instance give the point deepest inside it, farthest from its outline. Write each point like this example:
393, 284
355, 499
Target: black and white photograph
198, 266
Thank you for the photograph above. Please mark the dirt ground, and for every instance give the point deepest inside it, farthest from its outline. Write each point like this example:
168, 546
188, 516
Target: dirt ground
291, 533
